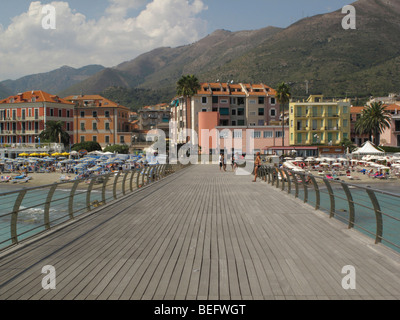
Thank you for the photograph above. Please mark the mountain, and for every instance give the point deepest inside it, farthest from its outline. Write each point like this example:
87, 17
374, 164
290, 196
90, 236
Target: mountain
336, 62
53, 81
4, 92
160, 68
316, 50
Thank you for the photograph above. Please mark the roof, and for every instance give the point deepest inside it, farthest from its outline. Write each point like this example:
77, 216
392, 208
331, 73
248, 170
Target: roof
368, 148
105, 103
34, 96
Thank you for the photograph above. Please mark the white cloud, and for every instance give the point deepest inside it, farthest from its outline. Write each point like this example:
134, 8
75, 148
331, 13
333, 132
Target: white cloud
27, 48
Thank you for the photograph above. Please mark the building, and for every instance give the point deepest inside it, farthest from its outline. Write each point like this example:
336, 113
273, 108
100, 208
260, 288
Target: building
319, 122
237, 105
151, 117
24, 116
389, 137
99, 119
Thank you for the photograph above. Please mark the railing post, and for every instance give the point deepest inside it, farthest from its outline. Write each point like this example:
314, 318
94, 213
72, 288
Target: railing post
46, 213
71, 199
296, 184
282, 179
14, 216
123, 182
115, 185
277, 177
89, 191
351, 204
139, 173
378, 215
288, 180
104, 187
131, 180
317, 193
331, 197
144, 174
303, 180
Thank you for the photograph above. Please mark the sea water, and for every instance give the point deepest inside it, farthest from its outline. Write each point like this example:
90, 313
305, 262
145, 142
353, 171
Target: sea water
365, 219
30, 219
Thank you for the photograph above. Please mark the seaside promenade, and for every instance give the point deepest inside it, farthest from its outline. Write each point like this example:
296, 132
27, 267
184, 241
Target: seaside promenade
202, 234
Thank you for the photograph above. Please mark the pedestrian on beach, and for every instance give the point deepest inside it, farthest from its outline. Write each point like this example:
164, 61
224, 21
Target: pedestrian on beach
257, 164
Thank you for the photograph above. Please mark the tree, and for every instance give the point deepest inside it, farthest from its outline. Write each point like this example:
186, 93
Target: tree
54, 132
283, 96
89, 146
187, 86
122, 149
373, 121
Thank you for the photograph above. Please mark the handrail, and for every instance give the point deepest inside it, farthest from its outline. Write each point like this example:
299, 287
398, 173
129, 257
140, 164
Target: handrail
31, 211
374, 212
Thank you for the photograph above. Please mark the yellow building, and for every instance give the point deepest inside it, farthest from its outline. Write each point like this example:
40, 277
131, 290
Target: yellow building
318, 121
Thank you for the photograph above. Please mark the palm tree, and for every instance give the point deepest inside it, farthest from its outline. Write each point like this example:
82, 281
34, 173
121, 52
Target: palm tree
187, 86
54, 132
283, 97
373, 121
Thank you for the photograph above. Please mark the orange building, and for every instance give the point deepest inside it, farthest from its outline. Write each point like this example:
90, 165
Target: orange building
101, 120
24, 116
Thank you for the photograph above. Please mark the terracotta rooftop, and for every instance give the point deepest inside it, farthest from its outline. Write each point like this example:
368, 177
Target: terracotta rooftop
34, 96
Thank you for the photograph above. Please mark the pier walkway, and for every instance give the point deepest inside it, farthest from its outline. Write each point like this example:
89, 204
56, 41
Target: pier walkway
202, 234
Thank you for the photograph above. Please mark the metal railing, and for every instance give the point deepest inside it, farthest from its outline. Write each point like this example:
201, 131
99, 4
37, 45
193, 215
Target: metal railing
29, 212
375, 213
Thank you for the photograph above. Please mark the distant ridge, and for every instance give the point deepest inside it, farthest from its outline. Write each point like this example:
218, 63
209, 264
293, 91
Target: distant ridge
333, 61
53, 81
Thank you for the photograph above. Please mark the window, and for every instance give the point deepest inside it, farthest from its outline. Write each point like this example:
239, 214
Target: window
82, 126
94, 138
68, 114
233, 100
260, 122
51, 112
214, 99
268, 134
122, 139
252, 113
272, 100
240, 112
68, 126
224, 101
345, 123
82, 139
94, 114
94, 126
107, 114
299, 136
233, 122
107, 125
272, 112
240, 101
278, 134
82, 114
261, 100
203, 100
237, 133
203, 110
252, 101
107, 139
233, 112
240, 122
60, 113
260, 111
224, 111
256, 134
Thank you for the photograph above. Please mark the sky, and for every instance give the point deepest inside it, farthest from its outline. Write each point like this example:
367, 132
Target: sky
108, 32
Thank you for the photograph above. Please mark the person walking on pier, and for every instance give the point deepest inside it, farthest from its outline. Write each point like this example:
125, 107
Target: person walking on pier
257, 164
